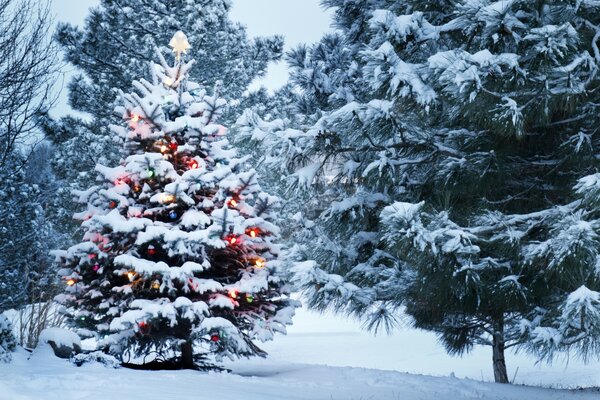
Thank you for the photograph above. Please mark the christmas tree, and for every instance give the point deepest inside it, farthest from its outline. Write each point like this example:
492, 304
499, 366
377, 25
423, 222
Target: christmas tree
179, 257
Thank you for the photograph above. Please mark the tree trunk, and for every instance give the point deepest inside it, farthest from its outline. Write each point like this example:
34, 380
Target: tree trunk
500, 374
187, 356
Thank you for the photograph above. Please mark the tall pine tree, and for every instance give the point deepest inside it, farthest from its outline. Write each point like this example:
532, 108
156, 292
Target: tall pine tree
451, 146
179, 256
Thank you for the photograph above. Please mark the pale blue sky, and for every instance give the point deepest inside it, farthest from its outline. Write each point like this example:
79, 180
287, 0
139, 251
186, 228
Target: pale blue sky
300, 21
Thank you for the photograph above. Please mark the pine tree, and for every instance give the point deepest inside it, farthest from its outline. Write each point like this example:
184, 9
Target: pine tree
179, 256
26, 232
451, 150
7, 340
115, 46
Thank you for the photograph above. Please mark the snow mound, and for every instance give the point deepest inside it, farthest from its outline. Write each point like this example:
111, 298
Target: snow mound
60, 337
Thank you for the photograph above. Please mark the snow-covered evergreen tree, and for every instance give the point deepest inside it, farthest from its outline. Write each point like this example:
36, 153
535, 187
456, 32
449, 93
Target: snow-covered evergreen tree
450, 147
7, 340
115, 46
179, 255
26, 231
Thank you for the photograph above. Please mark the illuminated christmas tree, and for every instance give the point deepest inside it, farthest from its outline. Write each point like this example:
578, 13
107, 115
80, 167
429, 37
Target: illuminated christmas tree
179, 260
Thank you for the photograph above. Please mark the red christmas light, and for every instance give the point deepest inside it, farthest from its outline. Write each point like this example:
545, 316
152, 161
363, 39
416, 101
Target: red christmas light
151, 251
135, 118
96, 268
232, 240
91, 256
214, 338
112, 204
144, 327
194, 164
173, 146
233, 294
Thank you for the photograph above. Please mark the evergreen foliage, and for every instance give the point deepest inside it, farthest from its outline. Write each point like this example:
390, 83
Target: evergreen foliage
179, 256
26, 231
450, 149
7, 340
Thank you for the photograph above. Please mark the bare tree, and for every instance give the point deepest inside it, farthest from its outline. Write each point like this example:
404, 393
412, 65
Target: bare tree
28, 70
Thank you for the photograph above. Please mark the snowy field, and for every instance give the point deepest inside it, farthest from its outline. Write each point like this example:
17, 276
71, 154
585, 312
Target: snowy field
322, 358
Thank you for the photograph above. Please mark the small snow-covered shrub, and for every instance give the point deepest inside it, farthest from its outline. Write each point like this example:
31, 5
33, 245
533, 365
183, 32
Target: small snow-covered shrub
64, 343
7, 340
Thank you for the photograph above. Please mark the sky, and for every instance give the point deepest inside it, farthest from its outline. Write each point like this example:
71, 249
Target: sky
299, 21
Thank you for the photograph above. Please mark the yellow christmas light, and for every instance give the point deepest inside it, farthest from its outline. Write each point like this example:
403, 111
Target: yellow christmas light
259, 263
167, 198
233, 203
131, 275
168, 81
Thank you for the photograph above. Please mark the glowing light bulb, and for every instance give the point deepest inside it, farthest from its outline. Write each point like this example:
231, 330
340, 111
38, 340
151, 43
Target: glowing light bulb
232, 240
168, 81
233, 294
259, 263
156, 285
131, 275
180, 44
194, 164
70, 282
164, 148
167, 198
96, 268
135, 118
233, 203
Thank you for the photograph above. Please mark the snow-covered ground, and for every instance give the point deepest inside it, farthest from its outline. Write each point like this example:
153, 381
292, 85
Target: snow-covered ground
323, 357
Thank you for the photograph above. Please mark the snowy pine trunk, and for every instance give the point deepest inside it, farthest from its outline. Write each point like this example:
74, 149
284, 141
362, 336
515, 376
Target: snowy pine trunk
500, 374
187, 355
